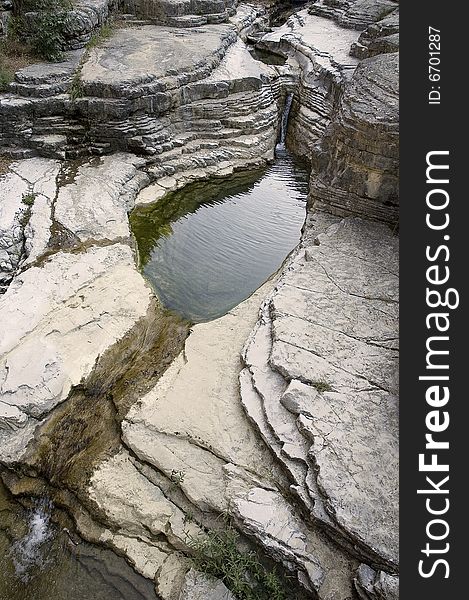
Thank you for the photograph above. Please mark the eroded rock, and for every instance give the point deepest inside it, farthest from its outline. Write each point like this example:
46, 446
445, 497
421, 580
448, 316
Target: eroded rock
340, 375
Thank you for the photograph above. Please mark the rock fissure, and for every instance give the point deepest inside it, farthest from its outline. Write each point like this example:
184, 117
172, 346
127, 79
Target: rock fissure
105, 397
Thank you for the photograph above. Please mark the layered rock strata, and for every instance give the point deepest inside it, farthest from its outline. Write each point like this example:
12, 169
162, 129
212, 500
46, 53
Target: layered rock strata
185, 13
283, 419
308, 378
354, 14
379, 38
72, 253
344, 117
195, 96
357, 159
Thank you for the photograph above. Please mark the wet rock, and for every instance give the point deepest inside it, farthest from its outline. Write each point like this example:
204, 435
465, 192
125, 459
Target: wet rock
58, 318
297, 440
192, 428
319, 52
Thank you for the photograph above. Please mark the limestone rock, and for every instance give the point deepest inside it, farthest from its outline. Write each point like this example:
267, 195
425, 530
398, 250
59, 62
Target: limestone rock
146, 514
319, 51
354, 14
46, 79
357, 163
297, 439
94, 205
152, 90
58, 318
27, 192
12, 213
186, 13
363, 12
341, 367
371, 585
379, 37
198, 586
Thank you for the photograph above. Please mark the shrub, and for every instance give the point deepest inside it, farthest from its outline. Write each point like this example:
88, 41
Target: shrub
28, 199
45, 32
217, 555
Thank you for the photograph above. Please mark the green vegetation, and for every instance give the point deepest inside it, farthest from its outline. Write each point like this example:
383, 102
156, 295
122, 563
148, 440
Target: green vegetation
76, 87
217, 555
28, 199
177, 477
322, 386
104, 33
45, 32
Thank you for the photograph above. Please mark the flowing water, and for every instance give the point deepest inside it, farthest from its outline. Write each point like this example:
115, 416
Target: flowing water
40, 560
204, 249
209, 246
284, 125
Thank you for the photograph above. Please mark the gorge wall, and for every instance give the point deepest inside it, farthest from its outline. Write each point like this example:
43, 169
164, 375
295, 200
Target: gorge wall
282, 415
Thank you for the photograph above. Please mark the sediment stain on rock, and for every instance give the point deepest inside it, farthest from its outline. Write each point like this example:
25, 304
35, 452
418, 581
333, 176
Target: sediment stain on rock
323, 349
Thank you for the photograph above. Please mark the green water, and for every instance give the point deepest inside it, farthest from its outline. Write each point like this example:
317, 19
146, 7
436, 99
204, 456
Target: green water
209, 246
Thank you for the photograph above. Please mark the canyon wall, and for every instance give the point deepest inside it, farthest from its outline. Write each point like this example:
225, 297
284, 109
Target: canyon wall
282, 415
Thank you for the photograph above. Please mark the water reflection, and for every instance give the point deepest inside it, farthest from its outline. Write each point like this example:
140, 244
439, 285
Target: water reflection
210, 245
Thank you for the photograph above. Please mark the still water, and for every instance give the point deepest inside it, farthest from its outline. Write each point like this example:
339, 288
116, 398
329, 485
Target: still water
209, 246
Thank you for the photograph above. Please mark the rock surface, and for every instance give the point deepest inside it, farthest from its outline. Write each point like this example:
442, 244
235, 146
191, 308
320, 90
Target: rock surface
357, 161
186, 13
135, 93
198, 586
27, 193
191, 427
58, 315
318, 52
345, 114
379, 37
323, 361
354, 14
282, 414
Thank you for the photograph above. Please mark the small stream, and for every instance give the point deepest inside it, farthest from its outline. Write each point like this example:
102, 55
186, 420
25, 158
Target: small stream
40, 560
209, 246
204, 249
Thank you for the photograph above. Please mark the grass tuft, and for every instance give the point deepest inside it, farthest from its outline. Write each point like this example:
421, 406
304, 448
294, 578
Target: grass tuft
28, 199
102, 34
322, 386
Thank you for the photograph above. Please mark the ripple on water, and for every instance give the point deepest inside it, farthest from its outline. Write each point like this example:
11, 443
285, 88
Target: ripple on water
209, 246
